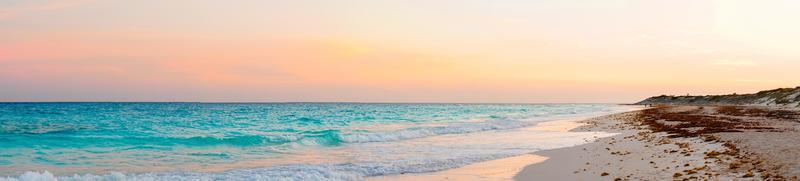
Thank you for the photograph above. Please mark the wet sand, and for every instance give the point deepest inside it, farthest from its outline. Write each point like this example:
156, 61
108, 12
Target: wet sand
501, 169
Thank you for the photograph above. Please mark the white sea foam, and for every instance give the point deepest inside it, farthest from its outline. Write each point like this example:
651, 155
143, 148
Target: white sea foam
411, 133
349, 171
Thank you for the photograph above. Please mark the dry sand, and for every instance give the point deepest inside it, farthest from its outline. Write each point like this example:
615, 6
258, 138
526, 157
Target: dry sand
681, 143
627, 156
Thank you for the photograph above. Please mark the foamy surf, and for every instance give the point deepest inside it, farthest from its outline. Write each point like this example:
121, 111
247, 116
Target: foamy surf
345, 171
346, 153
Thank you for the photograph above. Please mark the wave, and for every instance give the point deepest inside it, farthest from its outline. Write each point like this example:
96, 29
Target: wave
304, 138
337, 137
155, 142
421, 132
347, 171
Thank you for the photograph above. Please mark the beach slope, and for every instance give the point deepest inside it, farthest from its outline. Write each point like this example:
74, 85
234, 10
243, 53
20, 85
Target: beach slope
681, 142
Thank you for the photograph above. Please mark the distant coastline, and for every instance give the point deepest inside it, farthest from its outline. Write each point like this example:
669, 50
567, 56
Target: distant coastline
782, 97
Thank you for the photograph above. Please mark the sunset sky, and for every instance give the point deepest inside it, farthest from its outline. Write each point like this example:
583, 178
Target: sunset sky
517, 51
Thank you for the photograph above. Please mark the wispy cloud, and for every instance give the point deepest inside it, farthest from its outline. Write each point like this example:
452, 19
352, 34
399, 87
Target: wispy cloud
12, 11
735, 63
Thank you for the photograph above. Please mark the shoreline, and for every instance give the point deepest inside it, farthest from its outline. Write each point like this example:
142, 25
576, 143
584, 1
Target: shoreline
499, 169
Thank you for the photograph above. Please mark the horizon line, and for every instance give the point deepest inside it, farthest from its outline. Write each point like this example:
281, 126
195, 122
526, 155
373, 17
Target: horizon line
310, 102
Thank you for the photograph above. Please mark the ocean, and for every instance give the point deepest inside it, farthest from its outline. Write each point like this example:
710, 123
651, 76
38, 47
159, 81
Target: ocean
270, 141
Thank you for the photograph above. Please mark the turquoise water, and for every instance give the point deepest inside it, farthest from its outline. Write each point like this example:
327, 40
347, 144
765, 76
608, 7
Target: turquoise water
252, 141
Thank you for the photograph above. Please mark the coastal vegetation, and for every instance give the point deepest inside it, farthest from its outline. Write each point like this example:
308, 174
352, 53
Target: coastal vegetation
784, 97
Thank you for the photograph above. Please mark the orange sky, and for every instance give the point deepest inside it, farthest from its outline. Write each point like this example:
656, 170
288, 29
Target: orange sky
393, 51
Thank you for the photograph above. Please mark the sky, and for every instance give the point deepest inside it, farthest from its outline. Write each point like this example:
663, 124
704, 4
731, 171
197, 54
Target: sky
479, 51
